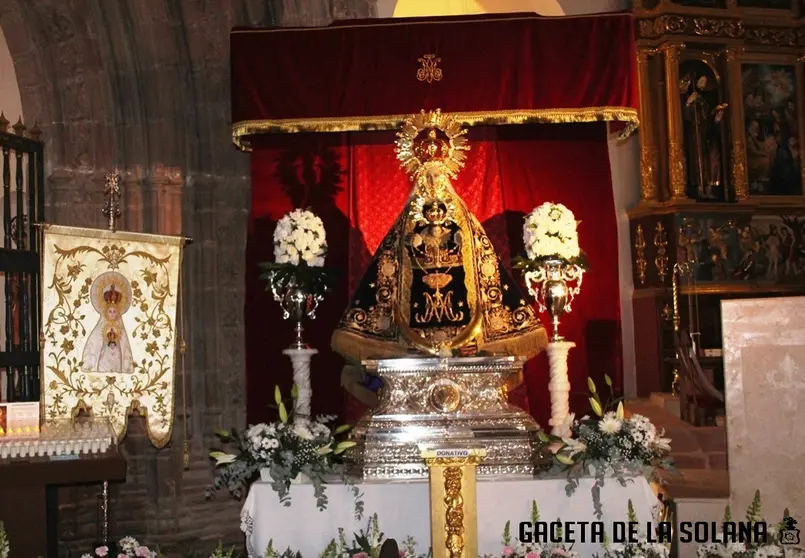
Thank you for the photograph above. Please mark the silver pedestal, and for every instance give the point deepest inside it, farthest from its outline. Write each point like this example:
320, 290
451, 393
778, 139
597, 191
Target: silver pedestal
427, 403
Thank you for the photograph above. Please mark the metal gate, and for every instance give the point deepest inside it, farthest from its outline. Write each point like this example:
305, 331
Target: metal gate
23, 172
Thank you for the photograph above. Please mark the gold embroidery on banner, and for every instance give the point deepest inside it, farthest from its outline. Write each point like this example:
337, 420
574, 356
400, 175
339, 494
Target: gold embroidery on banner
241, 130
454, 512
429, 71
640, 249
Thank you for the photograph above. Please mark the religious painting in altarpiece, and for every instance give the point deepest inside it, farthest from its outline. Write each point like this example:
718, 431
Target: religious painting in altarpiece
109, 310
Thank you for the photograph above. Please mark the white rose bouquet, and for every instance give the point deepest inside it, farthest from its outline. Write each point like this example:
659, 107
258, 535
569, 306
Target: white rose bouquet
300, 248
549, 232
286, 448
609, 445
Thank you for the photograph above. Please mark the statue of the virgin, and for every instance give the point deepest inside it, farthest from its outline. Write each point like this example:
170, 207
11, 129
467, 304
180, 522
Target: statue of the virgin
436, 285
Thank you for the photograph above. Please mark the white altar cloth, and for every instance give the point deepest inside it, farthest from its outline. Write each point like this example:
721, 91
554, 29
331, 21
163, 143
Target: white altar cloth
403, 509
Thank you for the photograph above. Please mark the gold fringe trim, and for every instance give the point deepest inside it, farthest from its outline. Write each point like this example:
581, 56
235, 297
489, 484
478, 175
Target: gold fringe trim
357, 348
527, 345
241, 130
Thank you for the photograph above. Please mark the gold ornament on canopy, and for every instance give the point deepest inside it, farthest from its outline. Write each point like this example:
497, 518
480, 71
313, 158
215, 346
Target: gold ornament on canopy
109, 306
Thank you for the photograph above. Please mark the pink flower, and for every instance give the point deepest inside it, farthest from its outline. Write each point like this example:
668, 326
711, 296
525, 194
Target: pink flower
559, 552
102, 551
402, 554
532, 555
508, 551
360, 555
142, 552
122, 555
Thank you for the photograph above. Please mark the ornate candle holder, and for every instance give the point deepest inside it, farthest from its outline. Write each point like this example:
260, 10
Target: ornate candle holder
554, 285
296, 303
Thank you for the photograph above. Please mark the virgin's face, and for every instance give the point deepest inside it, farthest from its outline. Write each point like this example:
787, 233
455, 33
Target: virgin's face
111, 313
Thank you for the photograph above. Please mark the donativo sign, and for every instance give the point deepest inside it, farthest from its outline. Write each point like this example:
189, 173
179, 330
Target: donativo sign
452, 453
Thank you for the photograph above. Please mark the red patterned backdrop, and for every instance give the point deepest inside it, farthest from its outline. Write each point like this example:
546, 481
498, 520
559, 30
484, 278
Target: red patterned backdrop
353, 181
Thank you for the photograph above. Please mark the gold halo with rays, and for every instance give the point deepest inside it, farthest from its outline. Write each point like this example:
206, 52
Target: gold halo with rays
452, 161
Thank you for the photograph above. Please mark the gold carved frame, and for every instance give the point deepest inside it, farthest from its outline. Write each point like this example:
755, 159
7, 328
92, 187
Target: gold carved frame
736, 58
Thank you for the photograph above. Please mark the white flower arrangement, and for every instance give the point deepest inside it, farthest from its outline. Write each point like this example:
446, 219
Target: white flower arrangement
367, 544
641, 548
550, 232
287, 449
608, 446
128, 547
514, 548
5, 548
300, 248
779, 544
300, 238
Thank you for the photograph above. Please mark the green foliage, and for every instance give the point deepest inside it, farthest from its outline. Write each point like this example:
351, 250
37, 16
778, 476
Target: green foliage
219, 552
507, 535
753, 512
534, 512
631, 514
727, 514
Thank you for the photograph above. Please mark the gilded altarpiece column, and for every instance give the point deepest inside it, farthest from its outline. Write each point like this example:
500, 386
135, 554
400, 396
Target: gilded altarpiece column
648, 145
453, 501
739, 176
677, 177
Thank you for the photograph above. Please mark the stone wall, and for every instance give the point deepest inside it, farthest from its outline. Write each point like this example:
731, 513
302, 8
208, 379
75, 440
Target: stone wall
142, 86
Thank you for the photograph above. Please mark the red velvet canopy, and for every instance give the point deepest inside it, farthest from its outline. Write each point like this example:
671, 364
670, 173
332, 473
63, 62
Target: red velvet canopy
360, 77
502, 69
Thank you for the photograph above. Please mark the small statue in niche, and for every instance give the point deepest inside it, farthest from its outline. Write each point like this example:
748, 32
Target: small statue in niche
773, 253
746, 243
703, 136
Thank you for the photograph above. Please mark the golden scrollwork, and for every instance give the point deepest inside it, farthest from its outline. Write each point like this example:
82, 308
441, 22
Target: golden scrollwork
676, 164
430, 70
661, 244
739, 175
648, 170
454, 512
640, 249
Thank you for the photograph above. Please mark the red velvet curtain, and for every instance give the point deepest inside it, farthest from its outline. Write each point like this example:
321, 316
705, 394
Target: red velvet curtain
353, 181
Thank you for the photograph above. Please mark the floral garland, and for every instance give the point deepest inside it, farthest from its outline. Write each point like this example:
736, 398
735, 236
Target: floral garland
367, 544
514, 548
549, 232
779, 545
607, 446
300, 247
287, 449
641, 548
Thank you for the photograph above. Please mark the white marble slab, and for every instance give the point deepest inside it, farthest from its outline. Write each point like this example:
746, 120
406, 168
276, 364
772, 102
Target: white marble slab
764, 378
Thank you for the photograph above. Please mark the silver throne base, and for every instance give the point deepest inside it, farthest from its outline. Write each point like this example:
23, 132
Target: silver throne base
428, 403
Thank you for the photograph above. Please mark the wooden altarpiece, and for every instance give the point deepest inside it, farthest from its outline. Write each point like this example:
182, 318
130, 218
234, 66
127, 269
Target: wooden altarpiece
722, 211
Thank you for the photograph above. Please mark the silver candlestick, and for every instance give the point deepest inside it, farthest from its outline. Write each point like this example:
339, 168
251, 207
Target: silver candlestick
549, 285
296, 303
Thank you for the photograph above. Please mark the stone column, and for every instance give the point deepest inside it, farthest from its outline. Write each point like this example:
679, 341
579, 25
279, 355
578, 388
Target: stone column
648, 140
677, 178
740, 181
453, 505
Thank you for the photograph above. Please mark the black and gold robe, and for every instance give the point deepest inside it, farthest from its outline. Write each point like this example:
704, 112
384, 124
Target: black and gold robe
493, 315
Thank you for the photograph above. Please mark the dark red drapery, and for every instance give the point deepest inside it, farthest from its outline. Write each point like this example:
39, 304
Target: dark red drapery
353, 181
502, 69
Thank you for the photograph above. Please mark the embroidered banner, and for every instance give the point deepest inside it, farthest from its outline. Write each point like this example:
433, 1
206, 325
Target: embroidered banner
109, 305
